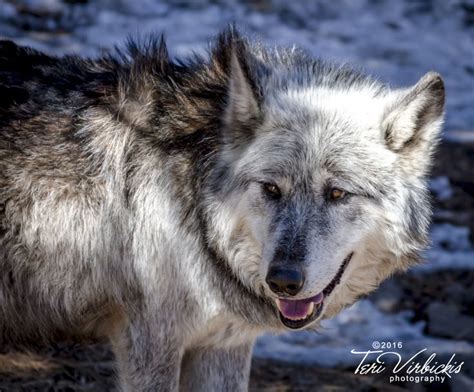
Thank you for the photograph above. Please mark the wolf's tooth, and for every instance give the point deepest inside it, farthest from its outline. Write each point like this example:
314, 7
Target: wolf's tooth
278, 304
310, 309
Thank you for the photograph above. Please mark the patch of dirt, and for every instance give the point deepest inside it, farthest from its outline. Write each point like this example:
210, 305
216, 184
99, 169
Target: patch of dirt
416, 292
74, 368
60, 367
271, 376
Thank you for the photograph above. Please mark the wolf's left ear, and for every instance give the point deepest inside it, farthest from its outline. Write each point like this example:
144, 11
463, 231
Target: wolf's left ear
413, 122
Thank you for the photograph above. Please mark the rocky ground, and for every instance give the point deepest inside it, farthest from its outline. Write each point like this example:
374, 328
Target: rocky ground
443, 300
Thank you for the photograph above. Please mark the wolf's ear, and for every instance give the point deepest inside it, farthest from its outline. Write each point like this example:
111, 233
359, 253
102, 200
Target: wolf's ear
242, 108
241, 113
413, 122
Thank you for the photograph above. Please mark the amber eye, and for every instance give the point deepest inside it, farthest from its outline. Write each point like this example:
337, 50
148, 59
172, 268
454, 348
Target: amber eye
271, 190
336, 194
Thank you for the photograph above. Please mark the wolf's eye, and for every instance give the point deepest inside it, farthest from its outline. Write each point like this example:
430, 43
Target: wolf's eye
336, 194
271, 190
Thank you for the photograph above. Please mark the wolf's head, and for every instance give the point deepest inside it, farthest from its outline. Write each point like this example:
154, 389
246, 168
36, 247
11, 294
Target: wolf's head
319, 191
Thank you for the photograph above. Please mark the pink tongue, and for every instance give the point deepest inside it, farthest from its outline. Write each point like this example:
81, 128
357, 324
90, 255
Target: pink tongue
298, 308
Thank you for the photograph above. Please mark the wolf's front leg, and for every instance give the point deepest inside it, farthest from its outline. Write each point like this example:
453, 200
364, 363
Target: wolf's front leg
215, 370
148, 355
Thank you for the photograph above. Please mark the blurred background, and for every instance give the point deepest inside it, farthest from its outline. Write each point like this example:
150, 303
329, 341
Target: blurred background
398, 41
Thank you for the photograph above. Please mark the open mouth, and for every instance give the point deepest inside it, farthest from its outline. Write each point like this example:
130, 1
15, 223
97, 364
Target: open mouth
297, 313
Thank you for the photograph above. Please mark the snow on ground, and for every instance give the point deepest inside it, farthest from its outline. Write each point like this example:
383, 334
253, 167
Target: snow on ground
396, 41
450, 248
356, 328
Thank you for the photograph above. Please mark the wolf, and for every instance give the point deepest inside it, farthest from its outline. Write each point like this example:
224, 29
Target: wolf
181, 208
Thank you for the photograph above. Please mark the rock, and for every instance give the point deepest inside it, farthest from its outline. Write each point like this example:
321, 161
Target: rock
446, 320
388, 296
457, 293
441, 187
41, 7
461, 383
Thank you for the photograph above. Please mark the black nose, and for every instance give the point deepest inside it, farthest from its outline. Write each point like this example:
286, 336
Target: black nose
285, 281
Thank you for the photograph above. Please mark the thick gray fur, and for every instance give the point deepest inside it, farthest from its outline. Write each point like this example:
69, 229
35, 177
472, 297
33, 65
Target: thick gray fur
132, 205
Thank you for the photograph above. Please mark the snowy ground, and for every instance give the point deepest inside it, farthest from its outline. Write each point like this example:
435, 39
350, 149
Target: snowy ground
397, 41
356, 328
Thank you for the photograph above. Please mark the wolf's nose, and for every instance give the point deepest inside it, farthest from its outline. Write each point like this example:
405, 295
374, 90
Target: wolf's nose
285, 281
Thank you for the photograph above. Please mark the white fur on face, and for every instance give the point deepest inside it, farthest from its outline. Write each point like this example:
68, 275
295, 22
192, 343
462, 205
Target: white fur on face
344, 136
